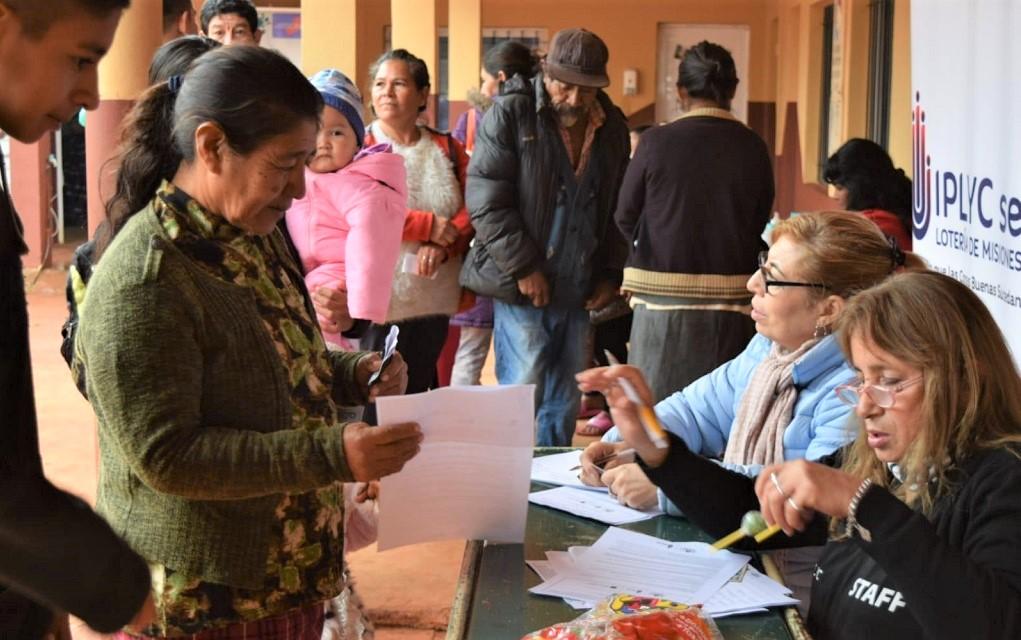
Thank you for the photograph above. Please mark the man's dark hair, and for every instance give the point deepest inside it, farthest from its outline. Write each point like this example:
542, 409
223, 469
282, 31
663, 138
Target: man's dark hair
37, 17
243, 8
172, 10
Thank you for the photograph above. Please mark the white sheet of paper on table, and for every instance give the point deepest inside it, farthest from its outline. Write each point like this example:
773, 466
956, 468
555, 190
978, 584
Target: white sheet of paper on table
754, 591
557, 469
591, 504
747, 591
471, 478
624, 561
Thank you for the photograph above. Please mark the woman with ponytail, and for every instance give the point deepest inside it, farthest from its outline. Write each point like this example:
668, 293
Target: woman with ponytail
222, 453
693, 202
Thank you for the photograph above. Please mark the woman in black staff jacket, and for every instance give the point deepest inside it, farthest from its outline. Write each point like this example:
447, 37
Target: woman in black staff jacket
923, 517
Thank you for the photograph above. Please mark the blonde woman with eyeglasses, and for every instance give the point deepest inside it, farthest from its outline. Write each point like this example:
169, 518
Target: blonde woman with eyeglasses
922, 520
774, 401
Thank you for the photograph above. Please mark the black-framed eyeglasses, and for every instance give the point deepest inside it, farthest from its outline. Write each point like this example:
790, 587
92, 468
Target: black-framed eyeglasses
768, 282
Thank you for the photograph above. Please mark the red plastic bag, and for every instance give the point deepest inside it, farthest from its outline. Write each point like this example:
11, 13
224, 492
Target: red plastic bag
626, 617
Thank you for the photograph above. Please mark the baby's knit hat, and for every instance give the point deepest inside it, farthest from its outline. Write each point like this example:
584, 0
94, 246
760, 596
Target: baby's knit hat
340, 93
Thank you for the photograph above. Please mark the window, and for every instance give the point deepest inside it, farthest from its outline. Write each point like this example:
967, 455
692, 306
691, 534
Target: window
829, 103
880, 70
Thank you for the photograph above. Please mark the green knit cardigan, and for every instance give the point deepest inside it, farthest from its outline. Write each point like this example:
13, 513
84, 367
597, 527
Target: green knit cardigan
192, 399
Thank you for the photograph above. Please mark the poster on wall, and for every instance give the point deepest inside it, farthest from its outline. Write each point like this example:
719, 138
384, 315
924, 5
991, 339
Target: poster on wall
281, 30
966, 136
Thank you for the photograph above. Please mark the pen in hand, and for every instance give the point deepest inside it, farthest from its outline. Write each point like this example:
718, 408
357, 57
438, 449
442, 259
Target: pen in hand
645, 413
623, 456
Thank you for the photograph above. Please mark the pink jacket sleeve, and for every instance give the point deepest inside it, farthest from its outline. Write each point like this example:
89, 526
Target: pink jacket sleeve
376, 219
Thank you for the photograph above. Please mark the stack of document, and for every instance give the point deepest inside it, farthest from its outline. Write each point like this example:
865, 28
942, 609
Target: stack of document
624, 561
577, 498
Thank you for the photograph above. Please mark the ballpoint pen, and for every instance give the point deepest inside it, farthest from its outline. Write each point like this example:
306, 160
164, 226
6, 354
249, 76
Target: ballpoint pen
624, 456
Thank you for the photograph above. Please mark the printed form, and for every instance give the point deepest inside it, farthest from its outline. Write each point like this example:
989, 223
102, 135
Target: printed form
471, 478
624, 561
591, 504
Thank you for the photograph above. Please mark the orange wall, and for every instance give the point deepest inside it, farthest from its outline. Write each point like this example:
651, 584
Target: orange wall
630, 32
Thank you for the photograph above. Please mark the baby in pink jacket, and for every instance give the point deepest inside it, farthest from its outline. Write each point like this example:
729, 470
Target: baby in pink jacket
348, 227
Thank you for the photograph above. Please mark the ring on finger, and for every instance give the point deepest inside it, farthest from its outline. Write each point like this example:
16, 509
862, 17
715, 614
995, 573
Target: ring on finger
794, 505
779, 488
776, 484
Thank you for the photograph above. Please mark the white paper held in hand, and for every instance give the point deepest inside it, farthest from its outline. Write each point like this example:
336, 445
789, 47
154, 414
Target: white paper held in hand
471, 478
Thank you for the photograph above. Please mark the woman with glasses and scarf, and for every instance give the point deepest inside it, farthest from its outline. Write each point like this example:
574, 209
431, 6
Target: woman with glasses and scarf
922, 518
774, 401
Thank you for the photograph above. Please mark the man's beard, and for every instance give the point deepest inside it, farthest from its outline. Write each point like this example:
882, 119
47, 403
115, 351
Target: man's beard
568, 115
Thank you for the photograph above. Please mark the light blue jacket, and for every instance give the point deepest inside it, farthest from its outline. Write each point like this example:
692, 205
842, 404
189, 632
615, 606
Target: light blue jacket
702, 414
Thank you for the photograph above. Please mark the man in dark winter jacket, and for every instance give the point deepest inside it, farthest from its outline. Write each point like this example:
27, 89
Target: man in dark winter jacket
542, 187
55, 553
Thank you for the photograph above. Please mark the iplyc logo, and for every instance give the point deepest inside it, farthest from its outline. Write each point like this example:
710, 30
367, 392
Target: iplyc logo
921, 165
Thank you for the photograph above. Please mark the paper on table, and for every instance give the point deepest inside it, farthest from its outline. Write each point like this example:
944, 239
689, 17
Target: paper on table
470, 480
541, 568
628, 562
556, 469
750, 590
591, 504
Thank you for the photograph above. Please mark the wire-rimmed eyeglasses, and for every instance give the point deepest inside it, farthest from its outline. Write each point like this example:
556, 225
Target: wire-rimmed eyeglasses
884, 396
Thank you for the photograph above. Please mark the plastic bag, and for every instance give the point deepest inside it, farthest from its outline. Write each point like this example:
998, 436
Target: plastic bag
628, 617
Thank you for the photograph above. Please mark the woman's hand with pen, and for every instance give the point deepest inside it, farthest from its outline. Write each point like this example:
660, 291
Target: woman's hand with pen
597, 458
625, 412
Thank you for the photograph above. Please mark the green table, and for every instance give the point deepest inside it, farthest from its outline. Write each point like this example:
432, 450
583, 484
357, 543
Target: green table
492, 600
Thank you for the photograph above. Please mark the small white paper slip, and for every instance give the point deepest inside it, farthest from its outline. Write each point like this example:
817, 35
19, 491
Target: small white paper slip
542, 568
389, 347
557, 469
470, 478
590, 504
409, 264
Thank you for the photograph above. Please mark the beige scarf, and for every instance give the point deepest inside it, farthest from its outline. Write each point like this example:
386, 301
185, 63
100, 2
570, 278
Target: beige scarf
767, 407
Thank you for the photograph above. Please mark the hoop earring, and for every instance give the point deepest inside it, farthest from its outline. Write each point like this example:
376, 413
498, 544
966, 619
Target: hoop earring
822, 330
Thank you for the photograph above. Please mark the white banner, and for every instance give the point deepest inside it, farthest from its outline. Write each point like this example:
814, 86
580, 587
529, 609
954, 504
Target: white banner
966, 130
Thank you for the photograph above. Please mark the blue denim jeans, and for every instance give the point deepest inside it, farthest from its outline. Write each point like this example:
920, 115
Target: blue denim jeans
544, 347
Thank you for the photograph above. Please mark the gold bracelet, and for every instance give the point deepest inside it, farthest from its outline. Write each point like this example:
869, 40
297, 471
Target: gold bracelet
853, 526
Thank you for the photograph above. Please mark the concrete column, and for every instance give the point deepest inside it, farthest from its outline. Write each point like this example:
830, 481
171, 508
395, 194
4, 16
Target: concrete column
31, 188
465, 37
414, 28
122, 77
329, 36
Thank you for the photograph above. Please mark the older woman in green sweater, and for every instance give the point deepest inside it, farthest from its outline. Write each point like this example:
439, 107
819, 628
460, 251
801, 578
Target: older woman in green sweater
222, 453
